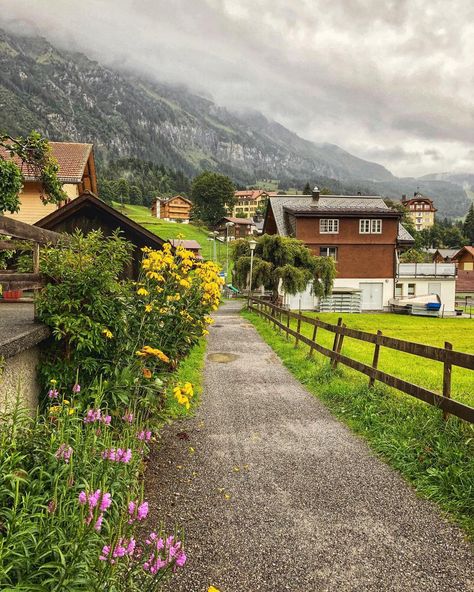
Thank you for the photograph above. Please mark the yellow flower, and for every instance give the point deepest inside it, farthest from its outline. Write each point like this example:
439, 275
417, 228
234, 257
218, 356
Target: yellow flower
148, 307
71, 411
151, 351
212, 589
54, 410
66, 402
142, 292
107, 333
53, 381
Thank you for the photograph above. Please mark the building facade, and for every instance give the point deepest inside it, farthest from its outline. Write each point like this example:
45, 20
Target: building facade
249, 202
361, 233
235, 228
421, 210
172, 209
77, 174
465, 258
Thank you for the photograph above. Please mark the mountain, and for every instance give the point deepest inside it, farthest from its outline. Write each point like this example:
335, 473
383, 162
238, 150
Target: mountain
67, 96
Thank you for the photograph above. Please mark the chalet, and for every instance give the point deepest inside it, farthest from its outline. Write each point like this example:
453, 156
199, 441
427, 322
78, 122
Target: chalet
88, 212
361, 233
249, 201
442, 255
421, 210
189, 245
235, 228
76, 173
465, 258
172, 209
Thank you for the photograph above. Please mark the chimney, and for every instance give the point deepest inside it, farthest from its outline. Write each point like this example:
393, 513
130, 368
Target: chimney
315, 196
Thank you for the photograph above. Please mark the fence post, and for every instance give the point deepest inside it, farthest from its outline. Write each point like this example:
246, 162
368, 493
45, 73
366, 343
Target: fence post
339, 344
298, 327
287, 324
375, 360
311, 349
447, 375
336, 340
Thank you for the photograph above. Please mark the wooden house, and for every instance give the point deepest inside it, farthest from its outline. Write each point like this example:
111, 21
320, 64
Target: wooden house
465, 258
235, 228
77, 174
173, 209
88, 212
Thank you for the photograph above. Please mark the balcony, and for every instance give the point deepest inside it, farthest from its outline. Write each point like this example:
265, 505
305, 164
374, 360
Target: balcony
428, 270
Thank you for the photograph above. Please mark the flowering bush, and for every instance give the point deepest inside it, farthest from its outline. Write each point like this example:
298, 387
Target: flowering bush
69, 516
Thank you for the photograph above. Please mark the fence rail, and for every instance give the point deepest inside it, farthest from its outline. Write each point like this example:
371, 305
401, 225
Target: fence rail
447, 356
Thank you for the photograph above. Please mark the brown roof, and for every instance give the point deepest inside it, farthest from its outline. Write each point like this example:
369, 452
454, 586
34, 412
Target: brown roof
168, 199
191, 245
71, 157
238, 220
465, 281
461, 251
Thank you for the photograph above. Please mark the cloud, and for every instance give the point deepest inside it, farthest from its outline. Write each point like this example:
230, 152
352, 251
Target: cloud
392, 78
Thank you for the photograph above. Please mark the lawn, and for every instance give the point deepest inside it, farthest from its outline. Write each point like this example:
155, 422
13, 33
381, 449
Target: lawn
434, 455
430, 331
168, 230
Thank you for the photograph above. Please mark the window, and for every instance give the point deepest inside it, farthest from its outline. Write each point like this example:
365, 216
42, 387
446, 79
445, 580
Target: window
328, 252
411, 289
398, 290
367, 226
329, 226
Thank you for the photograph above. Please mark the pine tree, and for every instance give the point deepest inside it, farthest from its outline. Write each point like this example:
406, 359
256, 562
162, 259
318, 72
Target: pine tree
468, 226
307, 189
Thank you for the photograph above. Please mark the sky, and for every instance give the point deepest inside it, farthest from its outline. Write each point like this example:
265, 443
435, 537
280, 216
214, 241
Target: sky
390, 81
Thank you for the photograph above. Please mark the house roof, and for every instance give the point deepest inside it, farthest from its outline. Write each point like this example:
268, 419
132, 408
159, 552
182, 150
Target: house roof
465, 281
403, 235
71, 157
90, 204
444, 252
168, 199
191, 245
252, 194
237, 220
467, 249
286, 206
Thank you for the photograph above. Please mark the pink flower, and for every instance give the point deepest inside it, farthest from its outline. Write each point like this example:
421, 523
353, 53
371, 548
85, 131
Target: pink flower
105, 553
106, 502
181, 559
131, 508
93, 498
64, 453
127, 456
144, 435
82, 498
106, 419
53, 393
142, 511
117, 455
98, 524
128, 417
76, 388
52, 507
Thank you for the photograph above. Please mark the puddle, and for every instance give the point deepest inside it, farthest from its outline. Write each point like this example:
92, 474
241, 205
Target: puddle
222, 358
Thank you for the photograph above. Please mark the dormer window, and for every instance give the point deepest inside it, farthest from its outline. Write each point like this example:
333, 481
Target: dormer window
370, 226
329, 226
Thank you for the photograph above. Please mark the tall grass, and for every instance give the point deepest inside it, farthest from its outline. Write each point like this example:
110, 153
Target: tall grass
437, 457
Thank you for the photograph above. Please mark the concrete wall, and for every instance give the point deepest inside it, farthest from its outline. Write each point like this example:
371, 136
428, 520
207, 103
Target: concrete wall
18, 380
425, 286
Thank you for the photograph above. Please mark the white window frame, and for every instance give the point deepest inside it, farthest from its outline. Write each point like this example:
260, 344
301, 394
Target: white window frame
329, 226
327, 249
370, 226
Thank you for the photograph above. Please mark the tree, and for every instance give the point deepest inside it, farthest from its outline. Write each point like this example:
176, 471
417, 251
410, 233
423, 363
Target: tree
468, 226
307, 189
412, 256
278, 258
212, 195
34, 153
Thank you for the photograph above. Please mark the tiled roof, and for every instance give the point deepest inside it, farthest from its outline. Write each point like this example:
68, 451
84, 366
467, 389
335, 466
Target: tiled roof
465, 281
404, 235
238, 220
165, 200
192, 245
340, 204
461, 251
251, 194
71, 157
444, 252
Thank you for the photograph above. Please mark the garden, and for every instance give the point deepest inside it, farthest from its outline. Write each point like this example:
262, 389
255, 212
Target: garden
73, 515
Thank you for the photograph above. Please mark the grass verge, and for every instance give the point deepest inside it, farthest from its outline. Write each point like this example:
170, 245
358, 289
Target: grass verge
435, 456
190, 370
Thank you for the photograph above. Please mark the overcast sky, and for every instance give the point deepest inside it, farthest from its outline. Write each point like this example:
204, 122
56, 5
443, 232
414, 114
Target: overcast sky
389, 80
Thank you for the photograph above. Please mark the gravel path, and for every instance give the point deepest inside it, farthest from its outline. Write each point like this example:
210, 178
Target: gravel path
276, 495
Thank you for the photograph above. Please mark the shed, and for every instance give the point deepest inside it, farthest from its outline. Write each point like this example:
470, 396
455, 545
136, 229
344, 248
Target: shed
88, 212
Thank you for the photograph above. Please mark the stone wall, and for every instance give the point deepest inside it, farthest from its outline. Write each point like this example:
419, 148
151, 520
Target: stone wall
18, 380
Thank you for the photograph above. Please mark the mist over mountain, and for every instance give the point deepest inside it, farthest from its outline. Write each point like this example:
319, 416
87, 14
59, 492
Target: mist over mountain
67, 96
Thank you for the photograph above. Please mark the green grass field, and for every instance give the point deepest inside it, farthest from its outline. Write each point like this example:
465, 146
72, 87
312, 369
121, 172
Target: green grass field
168, 230
434, 455
430, 331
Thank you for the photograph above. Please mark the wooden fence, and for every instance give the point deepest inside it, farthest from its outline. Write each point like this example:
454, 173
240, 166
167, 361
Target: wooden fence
281, 317
16, 235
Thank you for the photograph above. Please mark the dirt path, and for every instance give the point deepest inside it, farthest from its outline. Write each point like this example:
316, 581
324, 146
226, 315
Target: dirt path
276, 495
